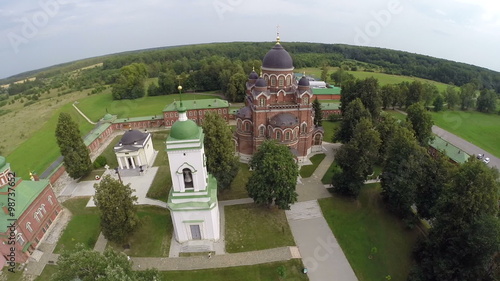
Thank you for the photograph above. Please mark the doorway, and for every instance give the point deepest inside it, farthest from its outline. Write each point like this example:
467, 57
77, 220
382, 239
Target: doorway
195, 232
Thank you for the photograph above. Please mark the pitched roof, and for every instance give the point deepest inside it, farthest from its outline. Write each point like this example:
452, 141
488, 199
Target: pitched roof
453, 152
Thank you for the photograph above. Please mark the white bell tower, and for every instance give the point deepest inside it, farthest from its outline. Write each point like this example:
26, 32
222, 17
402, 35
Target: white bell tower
193, 198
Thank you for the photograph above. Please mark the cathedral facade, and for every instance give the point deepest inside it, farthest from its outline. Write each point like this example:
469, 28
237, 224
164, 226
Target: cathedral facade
277, 107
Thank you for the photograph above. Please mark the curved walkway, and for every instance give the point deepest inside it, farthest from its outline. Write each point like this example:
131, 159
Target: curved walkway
84, 116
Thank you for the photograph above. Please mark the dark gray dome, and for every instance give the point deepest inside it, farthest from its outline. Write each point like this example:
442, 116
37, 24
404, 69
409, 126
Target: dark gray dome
132, 136
303, 81
284, 120
253, 75
277, 57
261, 82
244, 113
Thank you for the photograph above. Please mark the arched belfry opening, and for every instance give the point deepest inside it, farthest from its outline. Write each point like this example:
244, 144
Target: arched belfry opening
188, 178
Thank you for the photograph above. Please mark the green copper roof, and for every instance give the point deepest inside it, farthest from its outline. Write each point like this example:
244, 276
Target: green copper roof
136, 119
326, 91
26, 192
3, 162
453, 152
184, 130
95, 133
197, 104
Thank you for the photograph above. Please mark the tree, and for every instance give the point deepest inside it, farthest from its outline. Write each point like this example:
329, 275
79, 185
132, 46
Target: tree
76, 155
274, 175
354, 112
467, 96
167, 83
116, 207
438, 103
487, 101
421, 123
386, 126
367, 90
153, 89
388, 94
130, 82
88, 265
451, 96
465, 236
356, 159
318, 114
236, 88
219, 150
324, 72
416, 91
340, 76
429, 94
401, 170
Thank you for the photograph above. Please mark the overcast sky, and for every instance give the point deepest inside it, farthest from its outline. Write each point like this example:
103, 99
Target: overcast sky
37, 34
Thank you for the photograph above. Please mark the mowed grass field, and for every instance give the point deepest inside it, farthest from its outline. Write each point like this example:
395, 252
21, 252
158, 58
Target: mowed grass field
383, 78
96, 106
376, 243
478, 128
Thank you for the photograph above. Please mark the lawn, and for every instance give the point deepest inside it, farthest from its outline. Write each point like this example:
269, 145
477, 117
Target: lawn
47, 273
96, 106
478, 128
109, 152
396, 114
40, 150
375, 242
327, 177
259, 272
162, 182
262, 228
237, 189
329, 128
84, 226
308, 170
152, 238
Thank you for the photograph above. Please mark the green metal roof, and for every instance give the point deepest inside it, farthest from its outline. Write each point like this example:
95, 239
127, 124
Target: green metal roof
330, 105
197, 104
326, 91
453, 152
137, 119
184, 130
26, 192
95, 133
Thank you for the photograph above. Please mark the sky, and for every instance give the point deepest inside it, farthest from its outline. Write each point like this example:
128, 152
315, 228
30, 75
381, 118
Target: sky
36, 34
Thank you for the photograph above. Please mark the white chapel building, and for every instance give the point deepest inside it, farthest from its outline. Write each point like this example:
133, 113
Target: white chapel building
193, 198
134, 149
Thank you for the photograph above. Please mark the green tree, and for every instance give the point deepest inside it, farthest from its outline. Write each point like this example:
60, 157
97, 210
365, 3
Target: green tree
354, 112
438, 103
130, 82
153, 90
487, 101
386, 126
167, 83
429, 94
451, 96
116, 207
388, 94
237, 88
401, 170
367, 90
76, 155
341, 76
318, 114
88, 265
465, 236
274, 175
467, 96
356, 159
416, 92
421, 123
219, 150
324, 73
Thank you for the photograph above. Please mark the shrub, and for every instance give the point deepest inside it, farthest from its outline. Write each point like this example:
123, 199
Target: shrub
100, 162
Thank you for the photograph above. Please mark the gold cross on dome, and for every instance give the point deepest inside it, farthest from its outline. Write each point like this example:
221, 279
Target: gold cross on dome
278, 34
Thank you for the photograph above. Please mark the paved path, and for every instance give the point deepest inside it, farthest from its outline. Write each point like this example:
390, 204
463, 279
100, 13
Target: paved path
203, 262
321, 254
84, 116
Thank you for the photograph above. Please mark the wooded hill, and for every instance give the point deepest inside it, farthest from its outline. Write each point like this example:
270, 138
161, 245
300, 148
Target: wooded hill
186, 59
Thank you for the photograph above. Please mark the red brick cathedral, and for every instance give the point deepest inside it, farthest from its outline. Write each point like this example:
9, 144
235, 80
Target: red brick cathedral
277, 107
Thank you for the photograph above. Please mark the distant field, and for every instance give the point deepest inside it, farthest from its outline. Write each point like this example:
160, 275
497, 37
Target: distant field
383, 78
95, 106
478, 128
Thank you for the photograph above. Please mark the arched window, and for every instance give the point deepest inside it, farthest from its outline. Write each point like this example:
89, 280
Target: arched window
188, 178
247, 127
273, 81
20, 239
43, 208
287, 136
288, 80
35, 216
50, 200
303, 128
239, 125
219, 111
262, 131
305, 100
281, 81
262, 101
28, 227
278, 135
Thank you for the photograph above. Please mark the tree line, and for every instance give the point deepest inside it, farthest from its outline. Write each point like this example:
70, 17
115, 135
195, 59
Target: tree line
461, 202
